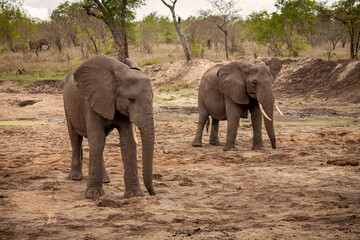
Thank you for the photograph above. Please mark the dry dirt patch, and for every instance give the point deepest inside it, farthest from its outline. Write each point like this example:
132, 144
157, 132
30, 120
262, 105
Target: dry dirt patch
202, 193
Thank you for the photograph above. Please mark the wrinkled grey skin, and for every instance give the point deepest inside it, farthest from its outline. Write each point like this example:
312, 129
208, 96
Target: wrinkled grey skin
100, 95
228, 92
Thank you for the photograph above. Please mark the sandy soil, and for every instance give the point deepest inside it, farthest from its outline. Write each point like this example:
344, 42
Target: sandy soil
202, 193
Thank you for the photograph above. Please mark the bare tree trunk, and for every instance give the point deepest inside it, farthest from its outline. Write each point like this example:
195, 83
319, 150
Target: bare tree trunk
226, 45
117, 32
178, 28
119, 42
354, 42
123, 26
352, 48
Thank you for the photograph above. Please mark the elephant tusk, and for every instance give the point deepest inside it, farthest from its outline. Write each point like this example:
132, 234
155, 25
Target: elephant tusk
133, 127
134, 133
263, 112
278, 109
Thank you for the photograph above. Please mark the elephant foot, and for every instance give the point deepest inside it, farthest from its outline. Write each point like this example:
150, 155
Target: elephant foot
196, 143
106, 178
258, 147
133, 192
214, 142
230, 148
75, 175
94, 192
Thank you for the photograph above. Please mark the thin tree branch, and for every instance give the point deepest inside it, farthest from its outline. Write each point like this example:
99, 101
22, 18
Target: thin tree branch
168, 5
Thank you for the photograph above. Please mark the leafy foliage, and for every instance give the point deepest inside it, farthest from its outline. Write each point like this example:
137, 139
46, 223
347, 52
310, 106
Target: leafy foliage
15, 25
154, 29
347, 12
106, 26
283, 32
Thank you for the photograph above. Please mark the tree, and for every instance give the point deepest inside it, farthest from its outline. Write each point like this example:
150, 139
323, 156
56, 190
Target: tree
62, 28
199, 33
223, 15
166, 30
236, 36
287, 27
298, 17
347, 12
332, 31
116, 14
267, 30
178, 27
148, 32
15, 25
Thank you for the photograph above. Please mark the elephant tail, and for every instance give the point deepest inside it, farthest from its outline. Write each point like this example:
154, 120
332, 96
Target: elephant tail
207, 124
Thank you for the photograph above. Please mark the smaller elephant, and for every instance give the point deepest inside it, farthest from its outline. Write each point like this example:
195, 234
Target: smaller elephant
101, 95
229, 92
36, 46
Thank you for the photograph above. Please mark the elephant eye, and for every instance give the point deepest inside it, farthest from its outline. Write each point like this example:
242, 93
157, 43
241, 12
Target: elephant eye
254, 82
131, 100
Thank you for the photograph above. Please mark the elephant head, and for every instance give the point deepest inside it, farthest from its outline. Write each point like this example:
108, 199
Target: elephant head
243, 82
111, 87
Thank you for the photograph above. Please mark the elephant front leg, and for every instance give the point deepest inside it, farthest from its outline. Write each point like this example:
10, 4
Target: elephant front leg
233, 111
128, 152
96, 169
76, 160
256, 120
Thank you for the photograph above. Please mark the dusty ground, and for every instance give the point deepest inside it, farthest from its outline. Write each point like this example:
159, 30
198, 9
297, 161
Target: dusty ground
202, 193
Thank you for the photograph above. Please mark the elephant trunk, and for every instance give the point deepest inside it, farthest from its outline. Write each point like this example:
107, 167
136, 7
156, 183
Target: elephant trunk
267, 102
147, 138
269, 125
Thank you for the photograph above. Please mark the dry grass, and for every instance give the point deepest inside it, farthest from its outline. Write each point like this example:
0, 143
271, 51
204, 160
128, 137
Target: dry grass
320, 52
48, 65
52, 65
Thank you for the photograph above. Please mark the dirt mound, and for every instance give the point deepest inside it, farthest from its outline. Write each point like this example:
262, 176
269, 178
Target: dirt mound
178, 72
46, 86
317, 78
304, 77
276, 64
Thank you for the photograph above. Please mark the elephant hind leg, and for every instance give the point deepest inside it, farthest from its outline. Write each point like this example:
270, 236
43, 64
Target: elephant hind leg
214, 135
77, 153
203, 118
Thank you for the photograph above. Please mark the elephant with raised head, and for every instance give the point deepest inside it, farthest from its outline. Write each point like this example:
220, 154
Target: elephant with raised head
228, 92
100, 95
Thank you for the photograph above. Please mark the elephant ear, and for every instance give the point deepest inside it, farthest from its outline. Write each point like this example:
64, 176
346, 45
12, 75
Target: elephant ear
97, 83
231, 81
